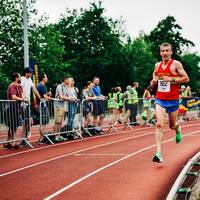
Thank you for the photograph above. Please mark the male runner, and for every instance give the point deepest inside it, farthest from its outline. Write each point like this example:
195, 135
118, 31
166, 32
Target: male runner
168, 74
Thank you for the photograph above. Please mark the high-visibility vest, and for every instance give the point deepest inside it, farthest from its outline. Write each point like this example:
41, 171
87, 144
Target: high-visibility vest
112, 100
144, 115
135, 95
120, 98
132, 96
146, 102
184, 94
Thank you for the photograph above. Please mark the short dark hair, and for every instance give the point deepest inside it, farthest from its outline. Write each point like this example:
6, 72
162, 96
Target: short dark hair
64, 78
15, 75
41, 76
27, 70
95, 77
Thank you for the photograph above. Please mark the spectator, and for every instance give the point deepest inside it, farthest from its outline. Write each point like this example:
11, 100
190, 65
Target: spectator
60, 107
14, 92
183, 91
27, 85
88, 96
42, 89
99, 108
189, 93
183, 96
72, 93
120, 101
128, 96
147, 103
135, 104
113, 105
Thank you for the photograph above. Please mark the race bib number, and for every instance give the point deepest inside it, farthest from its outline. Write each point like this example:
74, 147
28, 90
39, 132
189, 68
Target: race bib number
163, 86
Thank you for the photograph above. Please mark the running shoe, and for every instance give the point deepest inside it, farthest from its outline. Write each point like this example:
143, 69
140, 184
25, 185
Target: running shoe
158, 157
178, 135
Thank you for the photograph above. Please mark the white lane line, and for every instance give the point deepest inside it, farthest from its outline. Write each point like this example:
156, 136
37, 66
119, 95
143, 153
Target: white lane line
107, 166
69, 154
194, 135
84, 139
79, 151
74, 141
101, 154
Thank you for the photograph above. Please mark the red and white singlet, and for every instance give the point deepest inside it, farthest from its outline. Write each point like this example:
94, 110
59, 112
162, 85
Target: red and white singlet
166, 90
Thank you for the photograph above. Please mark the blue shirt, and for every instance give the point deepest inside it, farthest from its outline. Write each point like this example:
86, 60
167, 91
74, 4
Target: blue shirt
42, 89
97, 91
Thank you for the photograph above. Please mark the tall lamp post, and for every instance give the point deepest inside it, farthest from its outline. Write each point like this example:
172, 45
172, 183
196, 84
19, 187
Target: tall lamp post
25, 23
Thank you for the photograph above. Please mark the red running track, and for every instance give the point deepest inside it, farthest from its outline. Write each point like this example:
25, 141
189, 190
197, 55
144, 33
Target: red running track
111, 167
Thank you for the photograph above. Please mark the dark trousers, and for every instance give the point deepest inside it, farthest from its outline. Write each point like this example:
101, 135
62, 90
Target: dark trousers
133, 113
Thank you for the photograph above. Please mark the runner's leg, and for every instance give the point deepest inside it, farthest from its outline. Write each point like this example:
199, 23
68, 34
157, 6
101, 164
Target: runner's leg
160, 116
173, 124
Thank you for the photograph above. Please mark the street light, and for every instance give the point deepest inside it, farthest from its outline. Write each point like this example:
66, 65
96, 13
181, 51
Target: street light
25, 22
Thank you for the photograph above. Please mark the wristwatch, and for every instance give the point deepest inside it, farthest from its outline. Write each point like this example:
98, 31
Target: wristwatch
173, 79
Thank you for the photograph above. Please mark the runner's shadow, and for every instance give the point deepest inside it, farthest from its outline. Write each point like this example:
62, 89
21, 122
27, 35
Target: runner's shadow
160, 166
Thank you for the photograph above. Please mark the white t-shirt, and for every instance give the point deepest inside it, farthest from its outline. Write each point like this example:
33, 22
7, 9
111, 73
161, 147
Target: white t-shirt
26, 84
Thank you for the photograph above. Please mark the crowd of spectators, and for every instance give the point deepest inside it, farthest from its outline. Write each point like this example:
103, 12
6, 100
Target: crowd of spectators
122, 106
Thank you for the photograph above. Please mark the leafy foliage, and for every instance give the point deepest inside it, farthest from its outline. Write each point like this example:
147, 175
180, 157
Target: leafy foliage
141, 61
86, 43
168, 30
47, 49
191, 62
11, 32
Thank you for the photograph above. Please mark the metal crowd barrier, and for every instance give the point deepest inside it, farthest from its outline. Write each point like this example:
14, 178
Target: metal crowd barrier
137, 112
60, 120
97, 117
15, 124
193, 108
70, 119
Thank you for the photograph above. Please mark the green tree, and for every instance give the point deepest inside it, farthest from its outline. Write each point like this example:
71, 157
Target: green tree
92, 45
11, 35
140, 60
47, 49
11, 39
168, 30
191, 65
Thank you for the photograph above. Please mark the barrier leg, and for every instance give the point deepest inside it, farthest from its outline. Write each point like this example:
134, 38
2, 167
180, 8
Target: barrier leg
28, 143
78, 134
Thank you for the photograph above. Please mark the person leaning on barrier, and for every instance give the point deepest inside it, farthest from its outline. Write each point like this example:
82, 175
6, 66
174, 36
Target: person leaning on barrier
189, 93
27, 85
88, 97
147, 103
128, 95
113, 105
60, 107
120, 101
131, 100
99, 106
12, 117
135, 104
183, 96
42, 89
72, 93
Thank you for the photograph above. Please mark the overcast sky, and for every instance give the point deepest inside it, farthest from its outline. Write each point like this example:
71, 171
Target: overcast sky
139, 15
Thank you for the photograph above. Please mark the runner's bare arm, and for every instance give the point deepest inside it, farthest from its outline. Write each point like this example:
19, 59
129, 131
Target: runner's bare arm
183, 77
